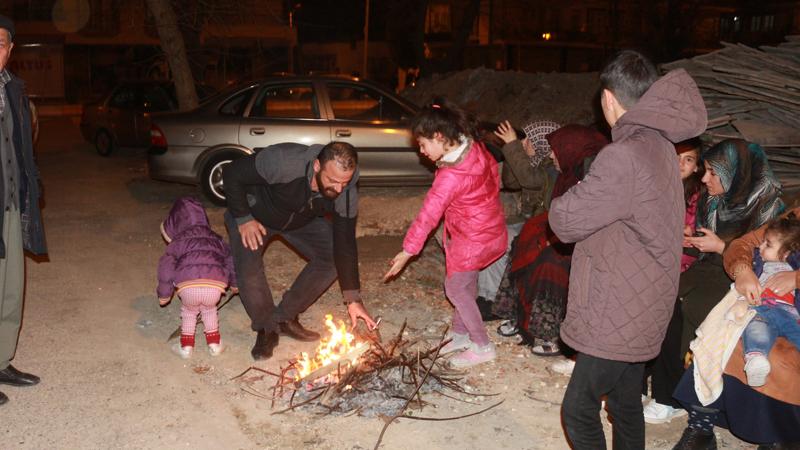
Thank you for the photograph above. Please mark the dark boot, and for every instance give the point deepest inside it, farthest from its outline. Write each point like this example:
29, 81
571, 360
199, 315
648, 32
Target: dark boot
265, 344
780, 446
294, 330
696, 440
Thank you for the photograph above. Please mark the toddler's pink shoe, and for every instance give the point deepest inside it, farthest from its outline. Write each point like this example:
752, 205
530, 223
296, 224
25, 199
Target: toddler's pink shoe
474, 355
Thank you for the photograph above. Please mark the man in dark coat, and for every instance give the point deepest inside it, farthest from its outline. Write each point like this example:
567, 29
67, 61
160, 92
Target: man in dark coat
288, 190
20, 219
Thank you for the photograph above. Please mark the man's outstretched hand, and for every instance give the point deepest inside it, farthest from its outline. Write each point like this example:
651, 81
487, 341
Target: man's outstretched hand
357, 311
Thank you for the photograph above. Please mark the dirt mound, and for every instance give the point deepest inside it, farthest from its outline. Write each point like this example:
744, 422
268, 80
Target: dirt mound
516, 96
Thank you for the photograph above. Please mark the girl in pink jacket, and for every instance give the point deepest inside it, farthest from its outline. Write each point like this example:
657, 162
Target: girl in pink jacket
466, 192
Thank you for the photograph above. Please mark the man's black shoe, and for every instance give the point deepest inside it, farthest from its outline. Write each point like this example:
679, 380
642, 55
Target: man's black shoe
265, 344
3, 399
780, 446
14, 377
696, 440
294, 330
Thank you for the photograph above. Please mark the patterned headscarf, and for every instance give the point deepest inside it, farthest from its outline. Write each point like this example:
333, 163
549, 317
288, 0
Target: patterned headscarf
751, 192
536, 132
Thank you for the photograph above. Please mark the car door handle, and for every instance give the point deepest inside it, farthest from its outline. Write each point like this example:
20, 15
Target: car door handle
257, 131
343, 133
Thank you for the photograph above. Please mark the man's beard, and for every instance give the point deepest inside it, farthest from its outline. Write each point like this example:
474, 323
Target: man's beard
326, 191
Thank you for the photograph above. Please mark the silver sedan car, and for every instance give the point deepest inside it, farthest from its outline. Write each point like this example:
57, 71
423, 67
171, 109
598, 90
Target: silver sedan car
193, 147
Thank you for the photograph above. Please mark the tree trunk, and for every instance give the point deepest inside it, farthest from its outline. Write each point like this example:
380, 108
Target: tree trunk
454, 58
175, 50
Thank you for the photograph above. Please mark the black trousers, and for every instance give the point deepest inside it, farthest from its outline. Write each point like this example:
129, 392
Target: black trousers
592, 379
314, 241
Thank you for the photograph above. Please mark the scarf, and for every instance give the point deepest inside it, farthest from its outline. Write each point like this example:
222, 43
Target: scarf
751, 194
571, 145
537, 132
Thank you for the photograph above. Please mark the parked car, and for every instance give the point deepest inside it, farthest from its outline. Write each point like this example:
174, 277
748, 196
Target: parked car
122, 118
193, 147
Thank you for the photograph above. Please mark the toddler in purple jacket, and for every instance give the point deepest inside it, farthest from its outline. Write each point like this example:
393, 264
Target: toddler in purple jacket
198, 264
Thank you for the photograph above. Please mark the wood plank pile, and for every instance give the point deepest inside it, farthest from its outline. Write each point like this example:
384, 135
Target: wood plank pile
754, 94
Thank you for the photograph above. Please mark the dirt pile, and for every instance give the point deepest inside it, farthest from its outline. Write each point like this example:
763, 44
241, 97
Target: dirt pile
516, 96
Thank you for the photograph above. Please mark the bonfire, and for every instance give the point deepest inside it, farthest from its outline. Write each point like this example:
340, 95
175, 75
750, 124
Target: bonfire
359, 374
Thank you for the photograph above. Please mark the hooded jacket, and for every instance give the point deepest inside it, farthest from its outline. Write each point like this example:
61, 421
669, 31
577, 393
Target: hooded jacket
626, 218
195, 255
467, 194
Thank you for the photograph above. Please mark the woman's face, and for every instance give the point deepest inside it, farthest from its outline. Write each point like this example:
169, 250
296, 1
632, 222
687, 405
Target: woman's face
712, 181
552, 156
688, 163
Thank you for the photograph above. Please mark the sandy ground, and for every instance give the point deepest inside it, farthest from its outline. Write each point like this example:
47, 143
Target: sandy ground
94, 332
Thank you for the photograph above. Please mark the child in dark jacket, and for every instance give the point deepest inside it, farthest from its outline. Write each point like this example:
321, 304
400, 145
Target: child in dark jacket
198, 264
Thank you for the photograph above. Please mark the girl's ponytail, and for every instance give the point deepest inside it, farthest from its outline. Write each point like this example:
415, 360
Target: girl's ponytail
447, 118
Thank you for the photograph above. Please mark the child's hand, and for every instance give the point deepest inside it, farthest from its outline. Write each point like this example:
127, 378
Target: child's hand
506, 132
397, 263
163, 301
234, 290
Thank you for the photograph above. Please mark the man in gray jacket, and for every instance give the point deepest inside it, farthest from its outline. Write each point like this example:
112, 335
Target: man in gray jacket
626, 218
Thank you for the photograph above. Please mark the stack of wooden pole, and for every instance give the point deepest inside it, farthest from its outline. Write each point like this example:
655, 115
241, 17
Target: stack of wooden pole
754, 94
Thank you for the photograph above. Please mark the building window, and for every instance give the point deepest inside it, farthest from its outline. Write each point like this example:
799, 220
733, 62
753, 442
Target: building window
755, 23
438, 19
33, 10
769, 22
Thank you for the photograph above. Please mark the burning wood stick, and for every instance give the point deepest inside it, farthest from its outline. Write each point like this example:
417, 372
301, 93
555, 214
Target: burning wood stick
351, 356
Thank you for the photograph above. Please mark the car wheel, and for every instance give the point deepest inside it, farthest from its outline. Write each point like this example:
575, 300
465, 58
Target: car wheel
211, 178
104, 143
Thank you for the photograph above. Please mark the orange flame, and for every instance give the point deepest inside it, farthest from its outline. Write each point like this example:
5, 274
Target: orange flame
330, 350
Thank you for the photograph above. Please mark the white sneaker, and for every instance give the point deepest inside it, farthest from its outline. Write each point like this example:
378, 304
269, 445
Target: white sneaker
183, 352
655, 412
564, 367
457, 342
757, 368
216, 349
474, 355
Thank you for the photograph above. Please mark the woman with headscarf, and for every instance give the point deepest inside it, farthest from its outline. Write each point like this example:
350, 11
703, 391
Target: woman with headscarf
741, 194
525, 168
539, 271
769, 414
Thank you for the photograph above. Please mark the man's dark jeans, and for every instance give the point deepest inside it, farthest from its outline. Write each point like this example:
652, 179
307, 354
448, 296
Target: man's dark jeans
621, 382
313, 241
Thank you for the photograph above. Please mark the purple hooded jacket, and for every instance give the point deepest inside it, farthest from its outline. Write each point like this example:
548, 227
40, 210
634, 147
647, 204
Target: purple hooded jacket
195, 252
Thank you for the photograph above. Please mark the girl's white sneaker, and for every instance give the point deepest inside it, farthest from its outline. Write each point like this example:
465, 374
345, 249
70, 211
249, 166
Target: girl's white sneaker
474, 355
457, 342
183, 352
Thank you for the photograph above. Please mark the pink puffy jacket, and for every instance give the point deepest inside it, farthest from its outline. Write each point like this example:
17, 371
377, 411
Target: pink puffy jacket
467, 194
